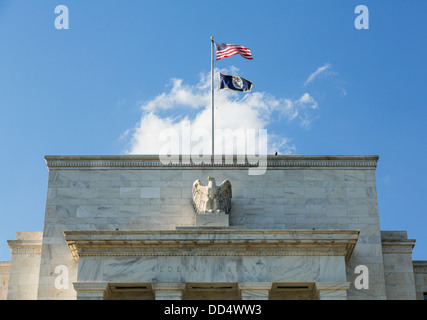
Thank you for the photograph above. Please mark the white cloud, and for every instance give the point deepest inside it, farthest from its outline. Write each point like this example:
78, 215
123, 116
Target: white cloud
233, 110
180, 94
316, 73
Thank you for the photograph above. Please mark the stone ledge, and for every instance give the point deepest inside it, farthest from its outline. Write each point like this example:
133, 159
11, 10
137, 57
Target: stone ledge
209, 242
397, 246
4, 268
420, 267
212, 220
25, 246
176, 162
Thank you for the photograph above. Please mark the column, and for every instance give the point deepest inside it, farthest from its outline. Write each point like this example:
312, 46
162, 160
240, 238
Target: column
255, 290
168, 290
92, 290
332, 290
24, 265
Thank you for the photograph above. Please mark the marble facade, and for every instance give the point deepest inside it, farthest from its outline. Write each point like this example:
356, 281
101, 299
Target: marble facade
124, 227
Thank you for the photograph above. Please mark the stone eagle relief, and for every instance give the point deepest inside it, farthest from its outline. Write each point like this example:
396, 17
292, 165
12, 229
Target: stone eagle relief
212, 198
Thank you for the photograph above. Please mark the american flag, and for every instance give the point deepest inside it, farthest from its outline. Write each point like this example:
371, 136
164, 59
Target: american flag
225, 50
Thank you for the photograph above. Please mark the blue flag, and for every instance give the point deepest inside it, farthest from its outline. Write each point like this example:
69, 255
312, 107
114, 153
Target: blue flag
234, 83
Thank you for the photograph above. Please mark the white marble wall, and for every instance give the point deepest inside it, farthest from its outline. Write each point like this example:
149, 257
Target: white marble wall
398, 268
306, 196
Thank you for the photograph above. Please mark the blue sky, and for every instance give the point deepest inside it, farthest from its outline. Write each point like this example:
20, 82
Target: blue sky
324, 87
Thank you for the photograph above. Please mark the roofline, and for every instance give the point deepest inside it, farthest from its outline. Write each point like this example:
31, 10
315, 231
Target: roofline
224, 161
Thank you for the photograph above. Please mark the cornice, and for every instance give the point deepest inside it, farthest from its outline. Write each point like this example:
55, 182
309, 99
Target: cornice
4, 268
219, 162
397, 246
420, 267
212, 243
25, 246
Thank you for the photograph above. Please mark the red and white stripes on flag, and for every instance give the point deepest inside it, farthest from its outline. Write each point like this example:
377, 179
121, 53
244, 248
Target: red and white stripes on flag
225, 50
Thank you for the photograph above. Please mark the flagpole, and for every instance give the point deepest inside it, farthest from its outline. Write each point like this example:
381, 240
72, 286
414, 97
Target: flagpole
212, 92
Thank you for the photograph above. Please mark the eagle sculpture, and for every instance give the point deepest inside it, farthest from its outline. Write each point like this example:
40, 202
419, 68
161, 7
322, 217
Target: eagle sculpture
212, 198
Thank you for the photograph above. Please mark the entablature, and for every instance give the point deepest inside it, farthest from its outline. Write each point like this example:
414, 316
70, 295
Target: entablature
212, 242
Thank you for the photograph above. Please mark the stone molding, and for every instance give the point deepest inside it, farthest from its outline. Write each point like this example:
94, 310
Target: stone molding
4, 267
255, 290
25, 246
92, 290
199, 242
397, 246
168, 290
420, 267
332, 290
153, 162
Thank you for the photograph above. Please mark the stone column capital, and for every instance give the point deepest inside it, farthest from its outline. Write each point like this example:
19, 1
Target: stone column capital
91, 290
255, 290
332, 290
168, 290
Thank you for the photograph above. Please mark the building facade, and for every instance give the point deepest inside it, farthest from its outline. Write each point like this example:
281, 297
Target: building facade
124, 227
